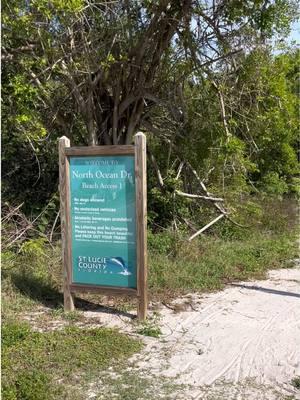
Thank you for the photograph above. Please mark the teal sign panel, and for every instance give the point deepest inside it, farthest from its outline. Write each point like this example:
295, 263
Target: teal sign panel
103, 220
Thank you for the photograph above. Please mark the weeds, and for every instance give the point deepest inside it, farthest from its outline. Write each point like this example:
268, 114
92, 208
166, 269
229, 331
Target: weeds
41, 365
71, 316
209, 264
34, 276
138, 385
149, 328
296, 382
49, 365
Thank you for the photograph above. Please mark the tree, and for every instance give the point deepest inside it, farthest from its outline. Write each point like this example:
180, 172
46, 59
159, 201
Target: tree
110, 56
97, 72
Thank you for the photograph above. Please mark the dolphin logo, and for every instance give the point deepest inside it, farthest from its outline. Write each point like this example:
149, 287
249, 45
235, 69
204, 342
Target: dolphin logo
120, 262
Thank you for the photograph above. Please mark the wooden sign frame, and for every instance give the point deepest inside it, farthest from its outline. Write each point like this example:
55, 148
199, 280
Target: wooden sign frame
138, 150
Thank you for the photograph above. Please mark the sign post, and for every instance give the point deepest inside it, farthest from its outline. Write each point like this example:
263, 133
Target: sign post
65, 221
103, 220
141, 208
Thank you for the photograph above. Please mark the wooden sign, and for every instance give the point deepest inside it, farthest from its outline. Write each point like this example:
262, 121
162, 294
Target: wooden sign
103, 220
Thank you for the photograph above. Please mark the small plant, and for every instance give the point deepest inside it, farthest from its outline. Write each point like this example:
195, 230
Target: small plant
57, 312
296, 382
149, 328
34, 247
72, 316
31, 385
13, 333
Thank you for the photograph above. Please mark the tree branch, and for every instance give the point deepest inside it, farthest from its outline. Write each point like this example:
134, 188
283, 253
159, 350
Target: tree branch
206, 227
198, 196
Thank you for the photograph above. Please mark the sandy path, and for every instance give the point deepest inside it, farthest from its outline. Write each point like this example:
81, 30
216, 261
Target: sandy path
241, 343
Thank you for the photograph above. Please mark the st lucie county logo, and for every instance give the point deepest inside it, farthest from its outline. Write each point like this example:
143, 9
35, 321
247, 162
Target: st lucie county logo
105, 265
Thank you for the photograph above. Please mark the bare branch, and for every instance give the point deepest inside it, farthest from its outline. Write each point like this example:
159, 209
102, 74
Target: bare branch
197, 196
37, 160
12, 212
203, 187
206, 227
179, 170
157, 170
223, 112
53, 227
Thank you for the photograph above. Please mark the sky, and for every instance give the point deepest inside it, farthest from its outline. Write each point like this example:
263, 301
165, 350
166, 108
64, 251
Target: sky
295, 32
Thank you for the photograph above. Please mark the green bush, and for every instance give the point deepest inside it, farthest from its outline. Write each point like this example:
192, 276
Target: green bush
294, 186
12, 333
273, 184
162, 242
29, 385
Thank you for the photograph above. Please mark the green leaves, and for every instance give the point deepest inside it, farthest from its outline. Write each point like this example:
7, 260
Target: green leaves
68, 5
70, 64
267, 17
272, 184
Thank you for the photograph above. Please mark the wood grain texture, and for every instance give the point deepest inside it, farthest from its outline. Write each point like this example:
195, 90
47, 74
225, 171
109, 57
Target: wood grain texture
100, 150
65, 222
110, 290
141, 223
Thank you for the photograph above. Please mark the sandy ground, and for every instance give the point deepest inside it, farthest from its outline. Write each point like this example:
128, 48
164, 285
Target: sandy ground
241, 343
238, 344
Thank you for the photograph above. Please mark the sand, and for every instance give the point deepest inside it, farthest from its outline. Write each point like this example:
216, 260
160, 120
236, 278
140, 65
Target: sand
241, 343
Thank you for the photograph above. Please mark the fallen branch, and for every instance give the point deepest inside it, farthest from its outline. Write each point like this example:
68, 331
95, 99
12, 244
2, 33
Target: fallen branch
236, 223
206, 227
22, 225
189, 224
179, 170
198, 196
12, 212
203, 187
19, 235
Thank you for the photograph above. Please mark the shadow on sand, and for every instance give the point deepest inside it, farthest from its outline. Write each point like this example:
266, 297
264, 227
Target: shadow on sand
265, 290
